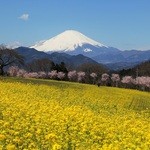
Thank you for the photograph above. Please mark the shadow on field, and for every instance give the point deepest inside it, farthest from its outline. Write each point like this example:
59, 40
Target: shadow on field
58, 84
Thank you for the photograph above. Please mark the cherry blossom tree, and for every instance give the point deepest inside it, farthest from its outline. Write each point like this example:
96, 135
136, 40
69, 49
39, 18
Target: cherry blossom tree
72, 75
128, 81
60, 75
53, 74
143, 82
115, 78
42, 74
105, 78
31, 75
12, 71
81, 76
21, 73
94, 76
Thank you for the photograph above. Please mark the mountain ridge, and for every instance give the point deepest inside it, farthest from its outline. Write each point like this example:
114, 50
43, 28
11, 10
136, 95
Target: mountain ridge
73, 61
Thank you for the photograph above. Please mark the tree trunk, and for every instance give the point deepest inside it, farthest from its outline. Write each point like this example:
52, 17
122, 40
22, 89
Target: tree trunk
1, 70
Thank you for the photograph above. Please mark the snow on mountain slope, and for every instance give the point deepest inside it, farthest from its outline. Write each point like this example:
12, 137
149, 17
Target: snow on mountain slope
66, 42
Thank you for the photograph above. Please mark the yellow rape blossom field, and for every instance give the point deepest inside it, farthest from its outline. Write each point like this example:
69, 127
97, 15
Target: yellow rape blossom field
56, 115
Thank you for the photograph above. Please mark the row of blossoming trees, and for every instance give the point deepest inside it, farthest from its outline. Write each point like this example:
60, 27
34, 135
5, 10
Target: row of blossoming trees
142, 83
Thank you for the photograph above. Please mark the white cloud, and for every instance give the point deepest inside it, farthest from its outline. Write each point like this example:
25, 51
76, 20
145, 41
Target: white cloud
24, 17
13, 44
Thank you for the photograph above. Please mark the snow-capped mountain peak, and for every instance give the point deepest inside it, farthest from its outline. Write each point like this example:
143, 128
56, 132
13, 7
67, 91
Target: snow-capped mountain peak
65, 42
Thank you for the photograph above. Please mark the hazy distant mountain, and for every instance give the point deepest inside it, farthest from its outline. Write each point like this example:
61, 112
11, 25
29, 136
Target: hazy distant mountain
121, 65
142, 69
124, 59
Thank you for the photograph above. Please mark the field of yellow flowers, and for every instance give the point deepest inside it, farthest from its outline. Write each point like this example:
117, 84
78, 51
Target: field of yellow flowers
55, 115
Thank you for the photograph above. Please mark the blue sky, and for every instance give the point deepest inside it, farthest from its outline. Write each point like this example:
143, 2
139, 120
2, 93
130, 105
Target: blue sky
123, 24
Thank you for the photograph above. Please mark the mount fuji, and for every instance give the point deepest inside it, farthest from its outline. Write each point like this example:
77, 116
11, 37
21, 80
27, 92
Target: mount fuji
74, 43
67, 41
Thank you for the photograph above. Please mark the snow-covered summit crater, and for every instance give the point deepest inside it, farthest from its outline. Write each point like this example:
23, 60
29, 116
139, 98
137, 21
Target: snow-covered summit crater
65, 42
